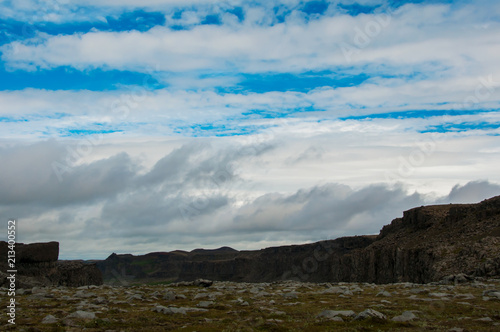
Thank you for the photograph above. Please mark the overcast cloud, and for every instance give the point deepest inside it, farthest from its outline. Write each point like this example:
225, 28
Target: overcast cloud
197, 195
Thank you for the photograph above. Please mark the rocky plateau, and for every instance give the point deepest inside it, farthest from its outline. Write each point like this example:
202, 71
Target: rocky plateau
427, 244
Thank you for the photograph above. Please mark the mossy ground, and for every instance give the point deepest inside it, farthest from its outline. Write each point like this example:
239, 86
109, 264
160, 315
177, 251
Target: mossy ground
116, 313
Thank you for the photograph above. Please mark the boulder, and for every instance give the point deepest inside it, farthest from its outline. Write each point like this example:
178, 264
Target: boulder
291, 295
384, 293
205, 304
169, 296
404, 317
49, 319
85, 315
370, 313
330, 314
492, 293
168, 310
203, 283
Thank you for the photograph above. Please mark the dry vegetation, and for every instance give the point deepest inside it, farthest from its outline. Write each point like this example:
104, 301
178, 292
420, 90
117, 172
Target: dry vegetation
285, 306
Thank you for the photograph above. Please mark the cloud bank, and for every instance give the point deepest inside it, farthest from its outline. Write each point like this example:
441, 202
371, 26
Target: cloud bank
196, 195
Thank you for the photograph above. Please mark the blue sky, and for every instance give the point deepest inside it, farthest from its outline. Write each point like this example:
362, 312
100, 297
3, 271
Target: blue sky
56, 48
290, 98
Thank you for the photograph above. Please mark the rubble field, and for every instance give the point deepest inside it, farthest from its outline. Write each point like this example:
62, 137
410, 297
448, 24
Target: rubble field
278, 306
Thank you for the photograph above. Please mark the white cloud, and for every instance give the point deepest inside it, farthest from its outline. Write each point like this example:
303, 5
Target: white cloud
437, 36
138, 111
157, 3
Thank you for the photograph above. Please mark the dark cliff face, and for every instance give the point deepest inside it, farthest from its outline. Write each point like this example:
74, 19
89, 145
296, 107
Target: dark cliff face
425, 245
431, 242
31, 253
309, 262
37, 265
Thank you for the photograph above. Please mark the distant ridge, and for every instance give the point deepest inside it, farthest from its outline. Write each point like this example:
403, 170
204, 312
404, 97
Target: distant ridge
221, 249
426, 244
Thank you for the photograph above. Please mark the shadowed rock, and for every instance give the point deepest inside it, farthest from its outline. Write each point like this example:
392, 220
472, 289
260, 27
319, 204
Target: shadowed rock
77, 273
427, 244
37, 265
32, 253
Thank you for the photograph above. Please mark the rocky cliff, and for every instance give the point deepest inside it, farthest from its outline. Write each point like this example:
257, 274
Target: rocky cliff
37, 265
426, 244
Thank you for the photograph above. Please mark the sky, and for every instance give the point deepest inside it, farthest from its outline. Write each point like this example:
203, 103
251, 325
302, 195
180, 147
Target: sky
154, 125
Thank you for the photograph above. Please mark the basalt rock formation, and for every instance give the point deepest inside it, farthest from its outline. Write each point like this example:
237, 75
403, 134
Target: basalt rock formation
37, 265
427, 244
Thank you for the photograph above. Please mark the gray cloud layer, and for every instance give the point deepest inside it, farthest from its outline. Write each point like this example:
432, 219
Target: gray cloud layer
194, 196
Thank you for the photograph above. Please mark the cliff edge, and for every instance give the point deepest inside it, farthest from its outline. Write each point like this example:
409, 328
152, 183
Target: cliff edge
425, 245
37, 264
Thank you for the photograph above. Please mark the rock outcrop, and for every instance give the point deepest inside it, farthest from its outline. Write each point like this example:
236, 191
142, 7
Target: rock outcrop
425, 245
37, 265
76, 273
37, 252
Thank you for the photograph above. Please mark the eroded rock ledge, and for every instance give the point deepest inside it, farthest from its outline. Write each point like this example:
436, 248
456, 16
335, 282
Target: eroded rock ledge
37, 264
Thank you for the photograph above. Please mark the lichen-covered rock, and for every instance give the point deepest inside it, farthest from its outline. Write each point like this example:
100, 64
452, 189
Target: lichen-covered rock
370, 313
